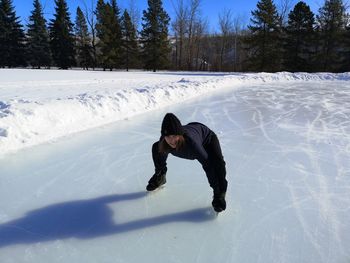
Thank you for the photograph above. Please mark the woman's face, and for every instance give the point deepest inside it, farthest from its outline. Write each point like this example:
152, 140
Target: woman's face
172, 140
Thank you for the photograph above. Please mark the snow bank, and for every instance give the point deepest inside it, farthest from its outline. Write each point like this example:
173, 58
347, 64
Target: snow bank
38, 106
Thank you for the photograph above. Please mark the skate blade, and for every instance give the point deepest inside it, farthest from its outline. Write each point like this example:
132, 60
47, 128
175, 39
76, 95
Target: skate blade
211, 213
156, 190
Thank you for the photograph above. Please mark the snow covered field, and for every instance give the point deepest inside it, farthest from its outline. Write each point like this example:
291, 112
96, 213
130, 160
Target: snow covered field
81, 198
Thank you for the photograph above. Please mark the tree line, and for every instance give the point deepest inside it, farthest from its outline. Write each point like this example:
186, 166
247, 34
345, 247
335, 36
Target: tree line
291, 38
108, 40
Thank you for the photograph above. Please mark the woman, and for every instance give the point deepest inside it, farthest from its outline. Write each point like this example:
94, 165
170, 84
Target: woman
191, 141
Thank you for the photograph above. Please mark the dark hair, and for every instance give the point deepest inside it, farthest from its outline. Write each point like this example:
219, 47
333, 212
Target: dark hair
164, 147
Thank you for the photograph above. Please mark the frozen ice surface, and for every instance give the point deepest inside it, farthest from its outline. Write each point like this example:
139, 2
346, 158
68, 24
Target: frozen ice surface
287, 148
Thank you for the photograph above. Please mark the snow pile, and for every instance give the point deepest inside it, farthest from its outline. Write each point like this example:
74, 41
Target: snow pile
37, 106
301, 76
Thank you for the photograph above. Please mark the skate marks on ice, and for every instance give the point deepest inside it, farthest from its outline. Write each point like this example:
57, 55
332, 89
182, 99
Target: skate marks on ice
87, 219
287, 149
287, 152
318, 117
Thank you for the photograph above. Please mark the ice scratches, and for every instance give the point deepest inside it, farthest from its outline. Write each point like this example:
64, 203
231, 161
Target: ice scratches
232, 120
307, 229
312, 124
321, 197
262, 125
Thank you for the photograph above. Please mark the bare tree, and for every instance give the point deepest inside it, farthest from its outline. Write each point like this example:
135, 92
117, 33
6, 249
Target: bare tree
200, 30
91, 20
226, 28
134, 13
179, 28
238, 26
284, 7
193, 17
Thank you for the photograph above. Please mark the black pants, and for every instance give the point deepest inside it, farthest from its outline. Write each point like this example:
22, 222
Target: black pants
215, 171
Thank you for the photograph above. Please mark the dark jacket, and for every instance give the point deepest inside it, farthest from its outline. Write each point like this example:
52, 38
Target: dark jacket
197, 136
201, 144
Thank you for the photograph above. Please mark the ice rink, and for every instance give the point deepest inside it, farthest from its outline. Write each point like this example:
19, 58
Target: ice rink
82, 198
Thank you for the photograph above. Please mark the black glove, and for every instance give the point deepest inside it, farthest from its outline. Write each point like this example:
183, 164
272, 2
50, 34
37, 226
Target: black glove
219, 202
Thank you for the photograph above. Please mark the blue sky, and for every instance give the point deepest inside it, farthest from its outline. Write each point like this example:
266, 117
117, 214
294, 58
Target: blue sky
209, 8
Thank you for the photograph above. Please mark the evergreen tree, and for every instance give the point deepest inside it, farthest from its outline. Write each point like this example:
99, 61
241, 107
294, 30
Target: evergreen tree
109, 34
154, 36
263, 42
299, 38
38, 44
331, 21
130, 46
117, 33
12, 38
116, 12
62, 38
83, 41
100, 31
346, 64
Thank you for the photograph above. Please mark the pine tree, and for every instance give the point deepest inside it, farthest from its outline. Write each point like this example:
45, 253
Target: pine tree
83, 41
264, 43
154, 36
130, 46
346, 64
116, 29
100, 30
331, 21
109, 34
12, 38
38, 38
116, 12
299, 39
62, 38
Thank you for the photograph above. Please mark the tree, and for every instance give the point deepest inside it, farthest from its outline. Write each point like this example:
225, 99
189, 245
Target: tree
284, 8
179, 28
199, 31
299, 38
83, 41
331, 21
226, 28
116, 11
90, 16
62, 37
238, 52
346, 64
263, 42
154, 36
12, 38
130, 46
38, 42
109, 34
117, 30
134, 13
193, 20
